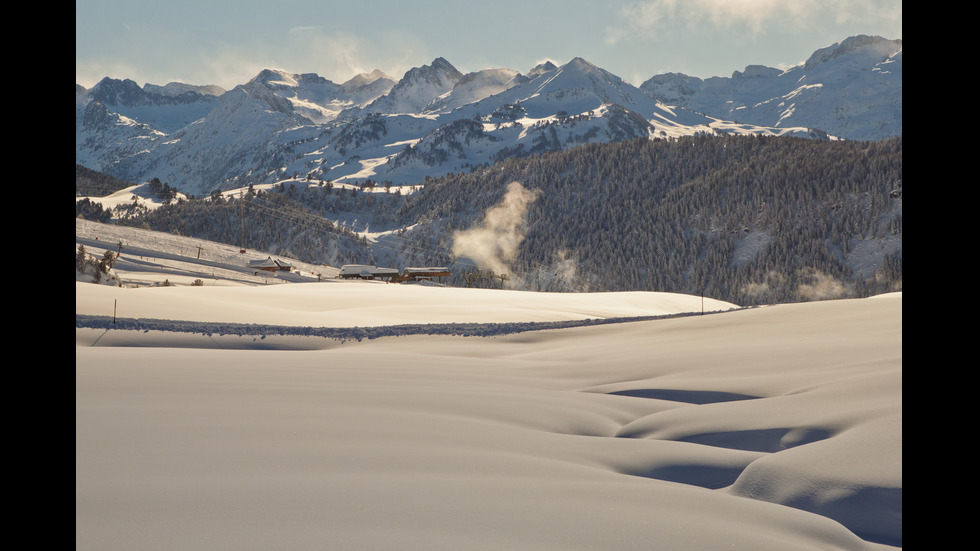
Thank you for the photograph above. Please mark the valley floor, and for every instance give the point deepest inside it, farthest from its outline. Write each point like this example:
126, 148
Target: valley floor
764, 428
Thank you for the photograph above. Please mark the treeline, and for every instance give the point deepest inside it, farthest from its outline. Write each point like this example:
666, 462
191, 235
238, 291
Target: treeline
162, 190
92, 183
752, 220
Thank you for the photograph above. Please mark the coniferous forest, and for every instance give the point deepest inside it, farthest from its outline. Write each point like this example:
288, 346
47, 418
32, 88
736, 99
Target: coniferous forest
753, 220
747, 219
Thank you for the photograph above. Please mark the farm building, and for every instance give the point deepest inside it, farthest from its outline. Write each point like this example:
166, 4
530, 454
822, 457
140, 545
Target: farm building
385, 273
426, 273
355, 271
363, 271
268, 265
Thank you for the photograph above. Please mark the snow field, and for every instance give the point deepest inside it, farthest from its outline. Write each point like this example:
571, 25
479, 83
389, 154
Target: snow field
766, 428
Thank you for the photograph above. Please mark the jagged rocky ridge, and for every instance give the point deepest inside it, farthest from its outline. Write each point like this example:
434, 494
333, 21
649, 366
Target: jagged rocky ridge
436, 120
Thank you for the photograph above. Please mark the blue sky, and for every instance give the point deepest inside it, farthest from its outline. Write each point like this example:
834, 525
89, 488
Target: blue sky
227, 42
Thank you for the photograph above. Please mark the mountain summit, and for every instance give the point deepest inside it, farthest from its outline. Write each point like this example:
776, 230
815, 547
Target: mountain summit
851, 89
435, 119
417, 89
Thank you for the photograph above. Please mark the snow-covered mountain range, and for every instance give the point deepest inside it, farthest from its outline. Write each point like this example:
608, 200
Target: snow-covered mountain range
436, 120
852, 89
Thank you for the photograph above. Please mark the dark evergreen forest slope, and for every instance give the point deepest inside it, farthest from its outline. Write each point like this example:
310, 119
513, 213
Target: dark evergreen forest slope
751, 220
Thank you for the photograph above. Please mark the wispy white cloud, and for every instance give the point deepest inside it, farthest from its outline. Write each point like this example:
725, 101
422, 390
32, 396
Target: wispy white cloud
332, 53
661, 19
341, 54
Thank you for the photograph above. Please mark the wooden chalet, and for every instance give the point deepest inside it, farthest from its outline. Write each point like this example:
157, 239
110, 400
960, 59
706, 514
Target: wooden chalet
355, 271
363, 271
423, 274
267, 265
386, 273
270, 265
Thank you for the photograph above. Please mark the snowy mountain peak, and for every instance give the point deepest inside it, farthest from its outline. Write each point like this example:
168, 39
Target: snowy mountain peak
440, 64
875, 46
273, 102
831, 91
540, 68
374, 127
274, 77
473, 87
440, 73
177, 88
488, 75
418, 88
364, 79
579, 64
579, 68
757, 71
278, 79
111, 91
318, 99
579, 87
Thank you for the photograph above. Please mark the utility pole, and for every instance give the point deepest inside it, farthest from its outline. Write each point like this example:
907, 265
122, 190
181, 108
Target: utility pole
241, 219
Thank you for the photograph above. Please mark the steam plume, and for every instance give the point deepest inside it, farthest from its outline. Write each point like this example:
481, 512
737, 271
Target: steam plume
494, 243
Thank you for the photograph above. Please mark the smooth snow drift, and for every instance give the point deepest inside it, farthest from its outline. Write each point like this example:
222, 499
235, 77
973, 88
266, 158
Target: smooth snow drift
767, 428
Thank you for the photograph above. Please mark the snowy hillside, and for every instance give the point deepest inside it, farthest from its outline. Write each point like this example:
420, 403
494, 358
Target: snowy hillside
281, 123
225, 415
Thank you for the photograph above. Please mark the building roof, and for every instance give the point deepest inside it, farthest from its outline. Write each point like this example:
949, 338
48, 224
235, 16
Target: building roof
356, 269
429, 269
267, 263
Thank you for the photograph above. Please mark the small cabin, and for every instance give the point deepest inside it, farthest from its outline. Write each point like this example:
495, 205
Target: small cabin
424, 273
267, 265
270, 265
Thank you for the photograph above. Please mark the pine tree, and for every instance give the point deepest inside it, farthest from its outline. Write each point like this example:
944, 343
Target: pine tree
81, 259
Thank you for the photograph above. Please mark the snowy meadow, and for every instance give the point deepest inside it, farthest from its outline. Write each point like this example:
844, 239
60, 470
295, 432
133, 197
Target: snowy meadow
305, 412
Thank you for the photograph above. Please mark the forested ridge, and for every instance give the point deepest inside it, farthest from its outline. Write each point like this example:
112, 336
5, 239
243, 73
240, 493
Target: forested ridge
93, 183
752, 220
274, 221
